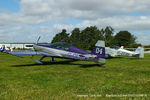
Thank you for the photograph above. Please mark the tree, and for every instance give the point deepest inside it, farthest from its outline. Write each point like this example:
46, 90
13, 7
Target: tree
133, 43
133, 39
124, 38
109, 31
75, 38
61, 37
89, 36
108, 36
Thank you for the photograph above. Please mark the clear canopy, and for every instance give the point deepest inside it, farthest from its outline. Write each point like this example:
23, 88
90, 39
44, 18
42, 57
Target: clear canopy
61, 45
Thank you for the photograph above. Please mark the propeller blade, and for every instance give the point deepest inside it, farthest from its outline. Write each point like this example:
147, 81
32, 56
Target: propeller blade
38, 39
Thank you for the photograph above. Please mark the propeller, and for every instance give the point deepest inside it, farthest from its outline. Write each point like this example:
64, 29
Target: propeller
38, 39
35, 43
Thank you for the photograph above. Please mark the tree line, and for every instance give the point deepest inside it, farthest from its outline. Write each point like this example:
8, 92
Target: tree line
87, 37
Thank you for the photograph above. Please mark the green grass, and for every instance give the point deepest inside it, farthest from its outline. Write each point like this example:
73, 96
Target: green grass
22, 79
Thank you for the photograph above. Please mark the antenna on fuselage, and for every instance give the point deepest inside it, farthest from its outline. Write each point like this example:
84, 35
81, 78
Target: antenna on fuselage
38, 39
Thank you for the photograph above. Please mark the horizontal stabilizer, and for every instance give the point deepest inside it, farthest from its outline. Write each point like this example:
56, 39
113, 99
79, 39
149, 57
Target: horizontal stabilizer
30, 53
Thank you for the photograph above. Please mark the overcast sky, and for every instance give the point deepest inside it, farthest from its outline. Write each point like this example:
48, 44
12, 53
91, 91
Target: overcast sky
26, 20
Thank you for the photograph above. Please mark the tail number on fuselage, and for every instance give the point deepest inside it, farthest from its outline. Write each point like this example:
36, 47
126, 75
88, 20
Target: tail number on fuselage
99, 50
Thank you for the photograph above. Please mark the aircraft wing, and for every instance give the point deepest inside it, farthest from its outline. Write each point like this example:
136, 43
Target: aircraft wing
30, 53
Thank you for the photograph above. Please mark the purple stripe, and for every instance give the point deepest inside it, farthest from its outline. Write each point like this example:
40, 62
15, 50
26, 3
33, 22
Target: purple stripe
44, 45
77, 50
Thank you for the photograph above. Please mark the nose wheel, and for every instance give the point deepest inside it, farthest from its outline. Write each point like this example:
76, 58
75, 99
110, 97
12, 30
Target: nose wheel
40, 61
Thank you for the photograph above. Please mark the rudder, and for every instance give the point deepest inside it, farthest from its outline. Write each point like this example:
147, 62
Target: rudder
140, 50
99, 50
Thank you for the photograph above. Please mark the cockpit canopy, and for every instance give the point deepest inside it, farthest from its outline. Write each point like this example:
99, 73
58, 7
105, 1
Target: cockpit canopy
61, 45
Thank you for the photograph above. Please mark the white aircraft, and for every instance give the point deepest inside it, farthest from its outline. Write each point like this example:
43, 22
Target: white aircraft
65, 50
4, 49
112, 52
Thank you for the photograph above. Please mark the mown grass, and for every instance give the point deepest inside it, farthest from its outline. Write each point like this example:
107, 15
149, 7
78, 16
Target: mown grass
22, 79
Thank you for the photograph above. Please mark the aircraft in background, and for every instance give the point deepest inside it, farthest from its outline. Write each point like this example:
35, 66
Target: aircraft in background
112, 52
65, 50
2, 49
5, 49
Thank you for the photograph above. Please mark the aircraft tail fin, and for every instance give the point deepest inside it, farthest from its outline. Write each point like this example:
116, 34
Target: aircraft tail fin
3, 48
99, 50
140, 50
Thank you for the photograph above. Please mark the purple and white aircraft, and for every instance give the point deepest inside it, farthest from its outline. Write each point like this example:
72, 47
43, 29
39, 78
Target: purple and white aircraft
3, 49
65, 50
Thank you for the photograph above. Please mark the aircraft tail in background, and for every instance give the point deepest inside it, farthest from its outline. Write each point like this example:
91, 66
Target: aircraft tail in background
140, 51
2, 49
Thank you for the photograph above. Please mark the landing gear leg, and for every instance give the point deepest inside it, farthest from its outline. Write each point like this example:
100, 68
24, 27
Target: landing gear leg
39, 61
52, 60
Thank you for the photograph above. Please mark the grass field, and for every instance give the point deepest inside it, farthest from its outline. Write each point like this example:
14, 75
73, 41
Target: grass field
22, 79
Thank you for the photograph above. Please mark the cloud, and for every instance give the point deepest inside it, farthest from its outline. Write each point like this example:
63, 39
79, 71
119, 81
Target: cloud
45, 17
35, 7
143, 38
40, 11
84, 9
103, 8
138, 23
